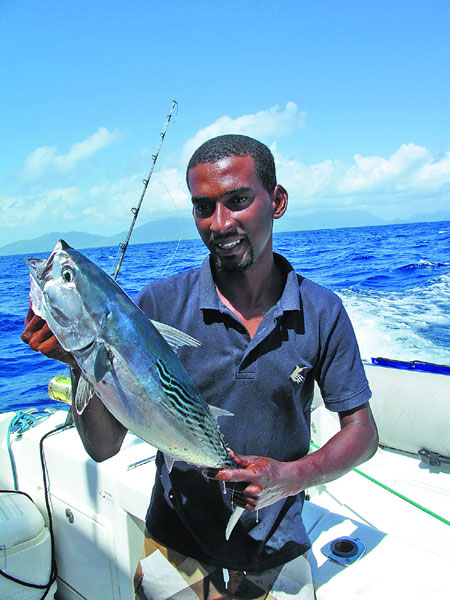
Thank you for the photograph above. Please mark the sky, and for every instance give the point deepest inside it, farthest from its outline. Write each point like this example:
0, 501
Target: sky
352, 97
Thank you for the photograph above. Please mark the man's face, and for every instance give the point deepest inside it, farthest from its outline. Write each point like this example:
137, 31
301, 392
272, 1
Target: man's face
233, 212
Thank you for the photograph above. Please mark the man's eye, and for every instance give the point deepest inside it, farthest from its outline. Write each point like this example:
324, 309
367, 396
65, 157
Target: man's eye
238, 200
202, 209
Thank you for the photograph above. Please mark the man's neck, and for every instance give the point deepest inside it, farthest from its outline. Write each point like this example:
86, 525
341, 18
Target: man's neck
251, 293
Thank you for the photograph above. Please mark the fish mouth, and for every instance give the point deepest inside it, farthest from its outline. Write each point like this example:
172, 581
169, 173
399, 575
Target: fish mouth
40, 267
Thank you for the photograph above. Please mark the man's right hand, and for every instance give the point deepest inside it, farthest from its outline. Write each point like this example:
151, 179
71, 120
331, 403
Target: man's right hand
38, 336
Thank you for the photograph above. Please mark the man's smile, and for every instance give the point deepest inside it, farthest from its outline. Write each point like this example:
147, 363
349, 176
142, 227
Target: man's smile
228, 245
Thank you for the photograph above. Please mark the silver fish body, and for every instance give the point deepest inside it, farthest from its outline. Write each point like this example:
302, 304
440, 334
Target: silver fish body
125, 358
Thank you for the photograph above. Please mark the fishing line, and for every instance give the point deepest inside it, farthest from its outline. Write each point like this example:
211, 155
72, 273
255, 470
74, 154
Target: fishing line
179, 238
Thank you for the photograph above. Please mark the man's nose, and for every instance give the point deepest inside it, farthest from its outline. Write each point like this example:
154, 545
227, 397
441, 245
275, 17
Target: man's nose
222, 218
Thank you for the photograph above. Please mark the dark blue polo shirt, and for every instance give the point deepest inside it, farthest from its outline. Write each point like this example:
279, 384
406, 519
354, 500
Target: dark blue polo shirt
267, 383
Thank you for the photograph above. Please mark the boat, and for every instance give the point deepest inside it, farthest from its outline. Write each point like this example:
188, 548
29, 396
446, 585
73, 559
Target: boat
381, 531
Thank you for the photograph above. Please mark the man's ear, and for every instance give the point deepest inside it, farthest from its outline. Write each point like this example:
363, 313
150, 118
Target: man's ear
279, 201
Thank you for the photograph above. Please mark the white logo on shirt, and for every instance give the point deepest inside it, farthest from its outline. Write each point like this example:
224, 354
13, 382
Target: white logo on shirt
297, 374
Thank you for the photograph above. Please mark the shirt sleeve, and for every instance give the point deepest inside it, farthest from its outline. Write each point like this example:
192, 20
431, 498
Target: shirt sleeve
340, 374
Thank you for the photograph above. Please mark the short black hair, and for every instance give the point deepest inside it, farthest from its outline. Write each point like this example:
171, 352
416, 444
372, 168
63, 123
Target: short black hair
234, 144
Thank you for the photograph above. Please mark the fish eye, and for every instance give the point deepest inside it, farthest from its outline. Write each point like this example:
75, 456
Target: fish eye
68, 274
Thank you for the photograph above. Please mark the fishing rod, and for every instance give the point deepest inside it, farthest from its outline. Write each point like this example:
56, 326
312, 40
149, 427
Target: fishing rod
136, 210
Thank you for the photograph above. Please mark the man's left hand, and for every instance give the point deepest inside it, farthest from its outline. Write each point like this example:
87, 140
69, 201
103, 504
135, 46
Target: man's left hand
260, 481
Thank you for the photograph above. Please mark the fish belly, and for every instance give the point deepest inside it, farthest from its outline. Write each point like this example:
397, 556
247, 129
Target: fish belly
143, 407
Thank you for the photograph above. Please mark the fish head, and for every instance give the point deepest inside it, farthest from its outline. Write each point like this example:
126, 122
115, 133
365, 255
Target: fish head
59, 294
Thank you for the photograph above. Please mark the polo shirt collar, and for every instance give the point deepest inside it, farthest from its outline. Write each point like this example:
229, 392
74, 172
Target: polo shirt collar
290, 298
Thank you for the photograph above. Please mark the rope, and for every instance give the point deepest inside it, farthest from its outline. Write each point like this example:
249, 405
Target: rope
21, 422
395, 493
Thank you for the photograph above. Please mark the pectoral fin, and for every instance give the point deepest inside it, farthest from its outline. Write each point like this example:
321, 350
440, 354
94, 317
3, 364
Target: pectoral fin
102, 362
174, 337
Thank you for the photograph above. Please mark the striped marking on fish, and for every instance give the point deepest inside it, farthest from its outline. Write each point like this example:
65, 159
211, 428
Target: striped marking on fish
175, 390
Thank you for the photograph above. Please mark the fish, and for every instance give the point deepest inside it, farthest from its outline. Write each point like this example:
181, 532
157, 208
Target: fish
127, 360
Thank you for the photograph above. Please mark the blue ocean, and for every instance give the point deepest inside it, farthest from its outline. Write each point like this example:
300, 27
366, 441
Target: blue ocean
394, 281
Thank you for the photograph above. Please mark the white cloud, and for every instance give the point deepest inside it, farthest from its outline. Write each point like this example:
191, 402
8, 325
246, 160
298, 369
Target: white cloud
409, 173
371, 172
433, 174
45, 158
107, 205
271, 123
57, 207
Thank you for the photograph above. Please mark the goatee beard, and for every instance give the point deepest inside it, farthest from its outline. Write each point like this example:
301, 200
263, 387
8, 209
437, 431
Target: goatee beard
231, 268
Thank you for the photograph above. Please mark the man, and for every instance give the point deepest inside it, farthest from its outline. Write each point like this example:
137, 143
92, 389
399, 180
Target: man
267, 335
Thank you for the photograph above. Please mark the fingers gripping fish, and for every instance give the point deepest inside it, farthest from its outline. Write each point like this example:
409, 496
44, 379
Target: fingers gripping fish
127, 360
